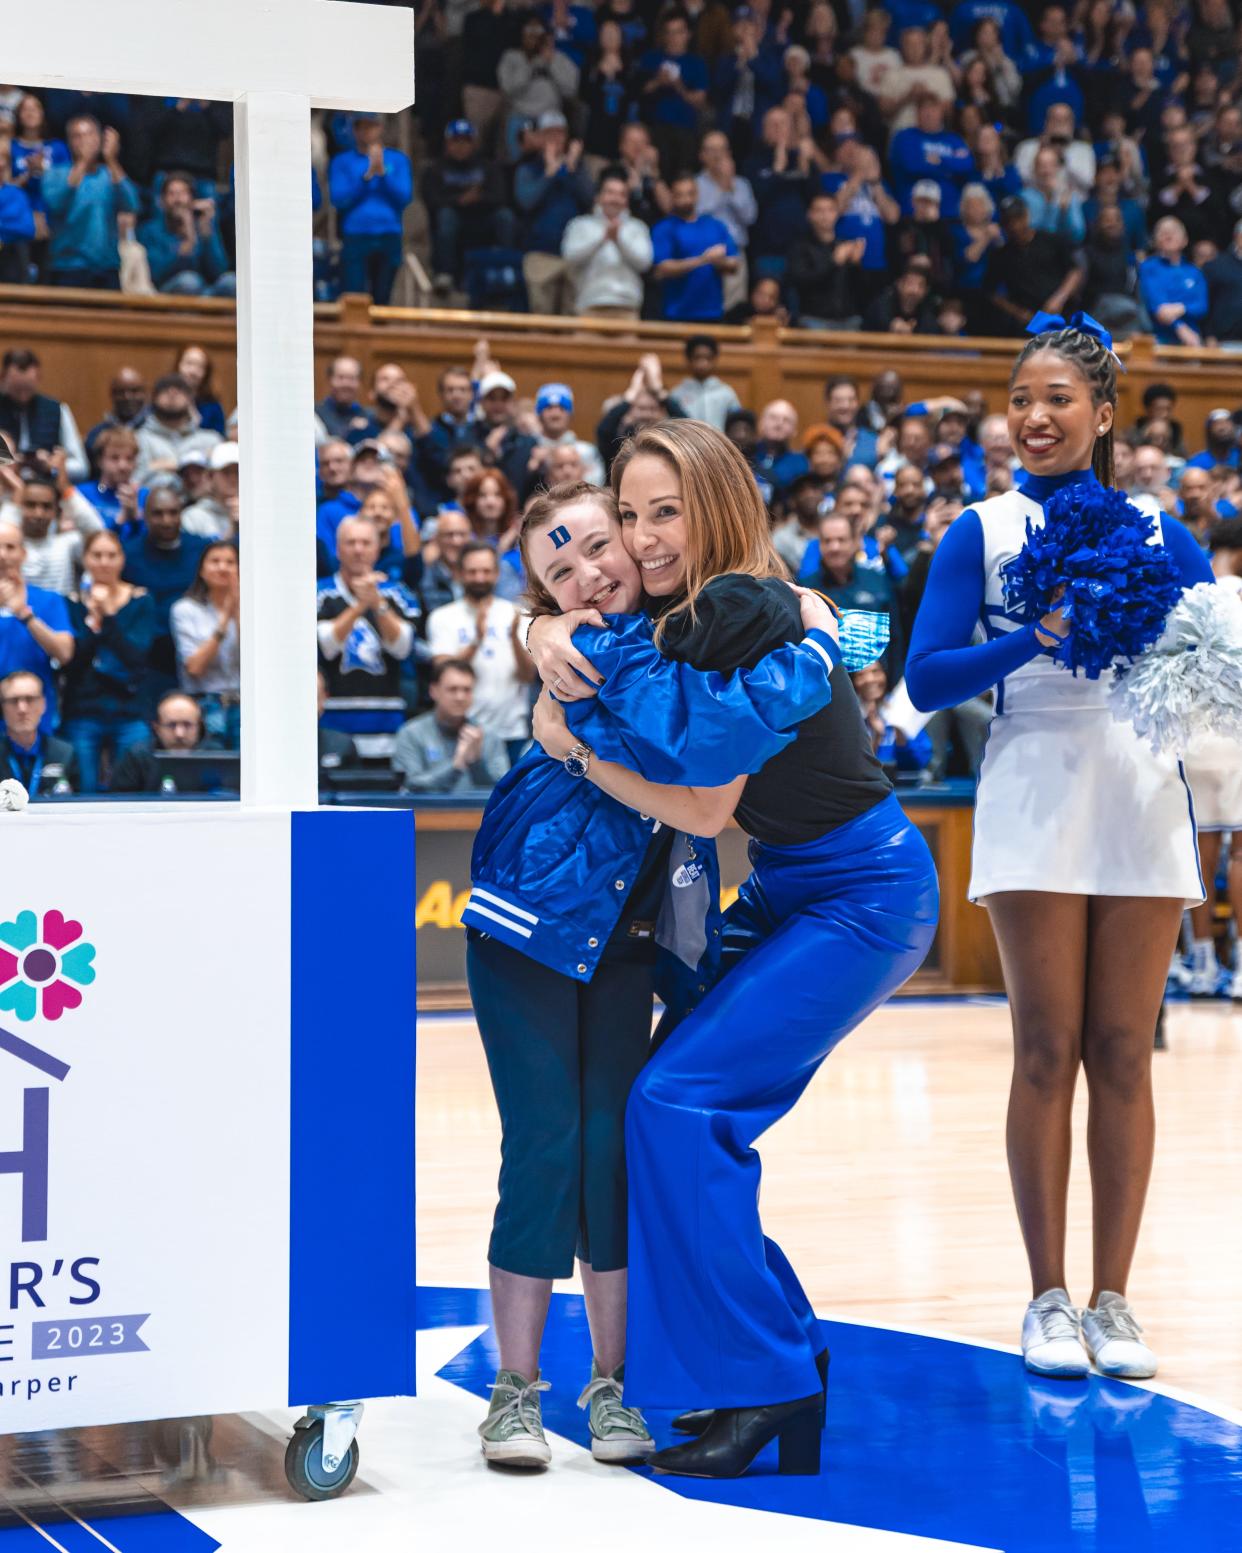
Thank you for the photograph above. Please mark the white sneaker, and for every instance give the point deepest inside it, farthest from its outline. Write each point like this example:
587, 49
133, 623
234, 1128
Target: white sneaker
1179, 977
1114, 1340
1203, 971
1235, 986
1052, 1337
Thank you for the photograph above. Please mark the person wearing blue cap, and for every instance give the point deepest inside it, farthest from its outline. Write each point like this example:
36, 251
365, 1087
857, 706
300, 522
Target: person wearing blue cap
370, 188
554, 405
465, 199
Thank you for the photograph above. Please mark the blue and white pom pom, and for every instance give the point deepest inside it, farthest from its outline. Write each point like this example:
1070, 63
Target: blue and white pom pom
1093, 559
13, 796
1190, 681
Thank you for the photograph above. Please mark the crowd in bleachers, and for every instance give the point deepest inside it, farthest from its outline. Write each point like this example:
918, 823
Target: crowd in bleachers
120, 617
923, 168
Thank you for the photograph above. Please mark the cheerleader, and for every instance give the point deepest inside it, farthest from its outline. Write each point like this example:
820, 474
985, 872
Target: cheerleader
840, 909
578, 902
1084, 854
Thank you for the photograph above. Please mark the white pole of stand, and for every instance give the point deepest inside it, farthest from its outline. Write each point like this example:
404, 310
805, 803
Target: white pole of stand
275, 399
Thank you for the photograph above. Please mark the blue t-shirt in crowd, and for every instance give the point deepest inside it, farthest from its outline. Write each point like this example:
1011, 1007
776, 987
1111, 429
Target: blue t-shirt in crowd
108, 505
780, 469
1015, 29
57, 153
1132, 218
1060, 87
668, 106
1206, 460
331, 515
1005, 187
1161, 282
575, 39
911, 13
698, 295
16, 215
861, 219
165, 574
370, 206
943, 157
19, 650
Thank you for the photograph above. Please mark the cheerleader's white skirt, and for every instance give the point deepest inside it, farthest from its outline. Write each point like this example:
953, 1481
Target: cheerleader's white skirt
1073, 802
1214, 770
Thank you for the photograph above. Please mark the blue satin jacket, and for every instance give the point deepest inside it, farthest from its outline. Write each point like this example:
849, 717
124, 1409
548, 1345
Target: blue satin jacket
555, 858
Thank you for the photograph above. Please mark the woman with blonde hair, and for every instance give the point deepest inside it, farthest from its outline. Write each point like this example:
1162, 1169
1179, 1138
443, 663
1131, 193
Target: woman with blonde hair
841, 879
589, 887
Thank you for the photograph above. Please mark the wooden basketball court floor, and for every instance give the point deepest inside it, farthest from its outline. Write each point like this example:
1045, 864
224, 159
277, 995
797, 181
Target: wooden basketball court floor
888, 1189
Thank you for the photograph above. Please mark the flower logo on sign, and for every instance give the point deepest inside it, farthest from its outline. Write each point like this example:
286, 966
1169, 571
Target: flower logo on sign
54, 962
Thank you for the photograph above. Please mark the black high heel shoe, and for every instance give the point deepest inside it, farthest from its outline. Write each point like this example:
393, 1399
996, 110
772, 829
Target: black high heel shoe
697, 1420
736, 1435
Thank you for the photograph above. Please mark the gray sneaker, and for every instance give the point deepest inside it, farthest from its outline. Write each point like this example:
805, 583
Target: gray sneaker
512, 1432
618, 1433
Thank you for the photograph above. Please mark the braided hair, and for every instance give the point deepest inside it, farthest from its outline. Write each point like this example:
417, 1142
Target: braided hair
1098, 366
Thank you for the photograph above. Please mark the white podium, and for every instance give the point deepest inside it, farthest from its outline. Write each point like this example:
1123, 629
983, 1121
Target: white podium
207, 1037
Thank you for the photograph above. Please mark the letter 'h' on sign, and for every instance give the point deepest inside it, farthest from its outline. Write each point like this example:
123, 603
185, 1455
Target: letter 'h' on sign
273, 60
30, 1163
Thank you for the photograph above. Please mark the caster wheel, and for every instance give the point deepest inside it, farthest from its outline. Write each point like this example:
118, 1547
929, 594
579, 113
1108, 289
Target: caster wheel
305, 1470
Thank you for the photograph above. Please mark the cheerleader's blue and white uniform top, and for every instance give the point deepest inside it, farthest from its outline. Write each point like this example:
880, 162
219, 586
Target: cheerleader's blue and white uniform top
1070, 800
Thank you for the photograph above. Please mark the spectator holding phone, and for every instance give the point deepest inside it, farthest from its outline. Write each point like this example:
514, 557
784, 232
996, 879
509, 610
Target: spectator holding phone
184, 250
33, 421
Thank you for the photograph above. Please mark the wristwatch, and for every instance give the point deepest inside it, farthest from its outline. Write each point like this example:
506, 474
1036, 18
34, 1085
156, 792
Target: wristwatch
578, 760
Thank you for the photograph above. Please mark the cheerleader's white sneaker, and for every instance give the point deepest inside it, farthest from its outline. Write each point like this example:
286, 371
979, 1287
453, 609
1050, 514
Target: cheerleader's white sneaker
1204, 970
1052, 1337
1114, 1339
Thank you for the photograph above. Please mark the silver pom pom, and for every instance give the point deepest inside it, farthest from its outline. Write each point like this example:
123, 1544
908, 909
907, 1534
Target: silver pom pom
1190, 682
13, 796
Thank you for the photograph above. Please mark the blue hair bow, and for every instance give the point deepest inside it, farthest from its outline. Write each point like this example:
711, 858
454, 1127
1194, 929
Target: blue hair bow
1046, 323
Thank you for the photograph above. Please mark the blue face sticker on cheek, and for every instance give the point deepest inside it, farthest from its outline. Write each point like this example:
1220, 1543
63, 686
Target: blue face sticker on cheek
560, 537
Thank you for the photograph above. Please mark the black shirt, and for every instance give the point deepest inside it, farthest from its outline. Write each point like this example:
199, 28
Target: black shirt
633, 938
829, 774
1029, 276
1224, 278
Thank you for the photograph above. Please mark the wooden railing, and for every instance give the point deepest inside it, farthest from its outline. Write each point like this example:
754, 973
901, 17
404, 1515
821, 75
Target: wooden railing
83, 336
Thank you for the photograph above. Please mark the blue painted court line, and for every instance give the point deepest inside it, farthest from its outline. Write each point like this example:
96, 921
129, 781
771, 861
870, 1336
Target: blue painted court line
936, 1438
160, 1531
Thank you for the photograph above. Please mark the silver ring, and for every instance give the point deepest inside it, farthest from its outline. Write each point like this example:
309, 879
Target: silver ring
558, 683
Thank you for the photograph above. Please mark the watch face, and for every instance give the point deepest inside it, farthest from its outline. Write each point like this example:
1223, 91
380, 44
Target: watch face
575, 765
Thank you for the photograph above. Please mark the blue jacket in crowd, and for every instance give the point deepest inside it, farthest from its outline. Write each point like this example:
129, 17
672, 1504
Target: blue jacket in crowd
84, 219
207, 258
16, 215
944, 158
1015, 28
555, 857
549, 204
369, 206
1161, 282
